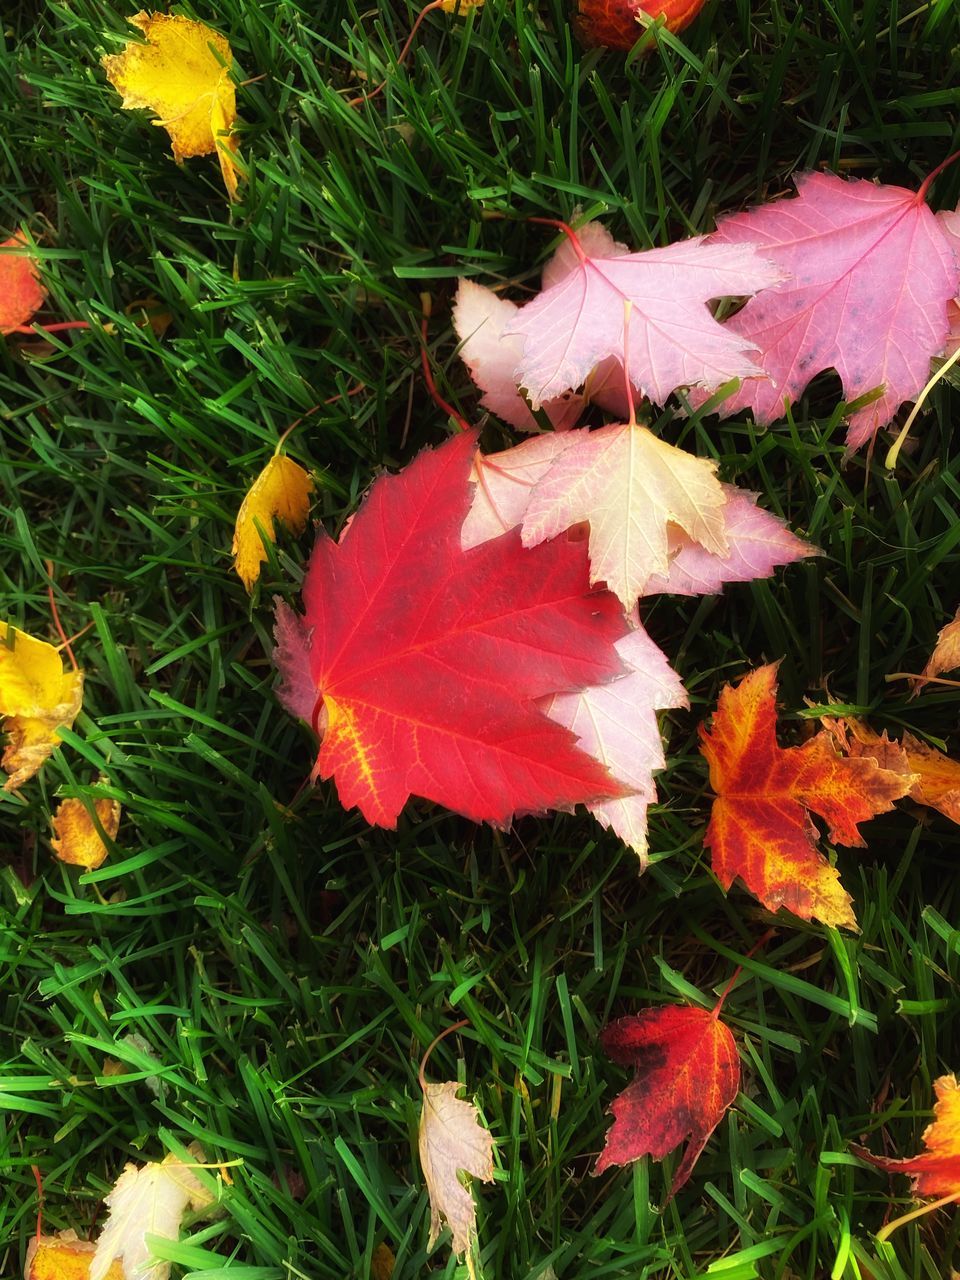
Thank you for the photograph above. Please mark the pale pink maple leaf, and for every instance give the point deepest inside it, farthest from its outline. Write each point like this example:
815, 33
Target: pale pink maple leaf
759, 543
479, 317
505, 481
674, 340
616, 723
630, 486
869, 275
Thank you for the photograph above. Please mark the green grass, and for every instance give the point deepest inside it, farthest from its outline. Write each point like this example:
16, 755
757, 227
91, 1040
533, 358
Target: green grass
286, 964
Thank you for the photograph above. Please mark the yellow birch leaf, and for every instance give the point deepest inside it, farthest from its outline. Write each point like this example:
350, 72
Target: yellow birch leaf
280, 492
63, 1257
182, 75
76, 839
38, 697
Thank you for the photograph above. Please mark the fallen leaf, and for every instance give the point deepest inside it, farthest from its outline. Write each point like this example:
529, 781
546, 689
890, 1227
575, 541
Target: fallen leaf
76, 839
945, 655
616, 723
935, 778
280, 492
382, 1262
615, 24
674, 341
147, 1199
37, 697
936, 1171
688, 1074
868, 275
460, 6
452, 1139
21, 293
758, 543
426, 661
182, 75
63, 1257
630, 486
760, 828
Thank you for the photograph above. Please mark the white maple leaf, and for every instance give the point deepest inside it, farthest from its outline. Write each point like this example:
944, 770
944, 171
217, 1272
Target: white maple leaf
452, 1139
149, 1199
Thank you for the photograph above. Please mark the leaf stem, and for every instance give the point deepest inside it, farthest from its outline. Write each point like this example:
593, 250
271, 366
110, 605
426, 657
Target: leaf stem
934, 174
48, 565
761, 942
894, 452
889, 1229
58, 327
567, 230
433, 1044
427, 8
426, 306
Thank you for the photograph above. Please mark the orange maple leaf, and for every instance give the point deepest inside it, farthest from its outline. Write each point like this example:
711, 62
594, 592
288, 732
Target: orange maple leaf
21, 293
936, 778
936, 1171
760, 827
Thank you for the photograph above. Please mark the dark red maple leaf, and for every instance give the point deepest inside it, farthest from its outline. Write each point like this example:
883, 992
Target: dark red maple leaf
688, 1074
421, 663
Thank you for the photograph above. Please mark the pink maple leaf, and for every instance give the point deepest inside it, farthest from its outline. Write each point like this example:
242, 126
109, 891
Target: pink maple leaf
578, 320
869, 272
480, 318
759, 542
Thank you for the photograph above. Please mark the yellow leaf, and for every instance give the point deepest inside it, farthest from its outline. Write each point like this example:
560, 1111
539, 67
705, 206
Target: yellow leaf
76, 839
281, 491
460, 6
38, 697
182, 75
63, 1257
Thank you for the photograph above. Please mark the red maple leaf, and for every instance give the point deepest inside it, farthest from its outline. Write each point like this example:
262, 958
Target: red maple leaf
688, 1074
870, 273
21, 293
425, 661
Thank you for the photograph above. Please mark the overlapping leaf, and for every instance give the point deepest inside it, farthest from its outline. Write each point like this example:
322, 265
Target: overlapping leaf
869, 272
934, 777
760, 829
428, 662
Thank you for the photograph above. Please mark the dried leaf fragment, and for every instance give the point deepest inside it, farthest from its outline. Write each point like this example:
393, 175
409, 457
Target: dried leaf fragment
63, 1257
182, 75
451, 1139
147, 1199
21, 293
38, 697
76, 839
280, 492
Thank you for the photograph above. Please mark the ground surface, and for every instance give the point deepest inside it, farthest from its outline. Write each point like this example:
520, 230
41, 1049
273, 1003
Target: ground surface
287, 968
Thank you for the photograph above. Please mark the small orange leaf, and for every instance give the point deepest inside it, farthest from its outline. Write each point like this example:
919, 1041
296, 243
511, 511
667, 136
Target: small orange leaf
936, 1171
936, 778
76, 839
182, 75
280, 492
760, 829
21, 293
38, 697
945, 656
63, 1257
616, 23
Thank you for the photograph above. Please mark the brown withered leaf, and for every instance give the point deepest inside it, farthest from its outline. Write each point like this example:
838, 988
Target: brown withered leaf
452, 1139
76, 839
945, 656
937, 777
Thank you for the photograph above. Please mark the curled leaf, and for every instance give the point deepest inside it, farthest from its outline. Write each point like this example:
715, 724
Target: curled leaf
76, 838
280, 492
182, 75
38, 697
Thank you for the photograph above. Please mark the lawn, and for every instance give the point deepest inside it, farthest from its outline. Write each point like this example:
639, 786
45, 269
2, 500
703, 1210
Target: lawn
266, 968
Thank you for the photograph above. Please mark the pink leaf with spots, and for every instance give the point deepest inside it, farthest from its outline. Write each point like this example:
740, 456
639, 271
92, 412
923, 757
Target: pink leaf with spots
869, 274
